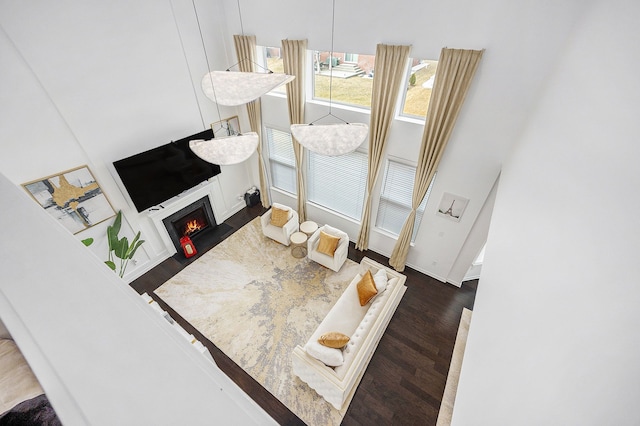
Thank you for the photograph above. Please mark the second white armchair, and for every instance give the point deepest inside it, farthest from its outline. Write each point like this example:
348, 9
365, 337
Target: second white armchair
323, 256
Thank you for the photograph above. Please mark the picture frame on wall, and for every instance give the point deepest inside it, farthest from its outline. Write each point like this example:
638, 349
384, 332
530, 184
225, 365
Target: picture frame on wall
227, 127
73, 197
452, 206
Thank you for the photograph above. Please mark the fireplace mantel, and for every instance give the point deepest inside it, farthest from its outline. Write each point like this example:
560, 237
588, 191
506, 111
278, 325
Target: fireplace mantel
209, 189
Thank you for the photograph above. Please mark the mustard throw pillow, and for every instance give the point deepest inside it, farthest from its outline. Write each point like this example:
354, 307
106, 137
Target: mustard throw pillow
328, 244
333, 339
279, 217
366, 288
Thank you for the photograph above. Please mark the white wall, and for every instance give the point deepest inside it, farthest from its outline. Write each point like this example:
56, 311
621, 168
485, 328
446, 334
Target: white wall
89, 83
557, 343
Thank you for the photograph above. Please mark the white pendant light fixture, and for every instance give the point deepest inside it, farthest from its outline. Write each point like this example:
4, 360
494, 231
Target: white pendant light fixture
330, 139
235, 88
228, 149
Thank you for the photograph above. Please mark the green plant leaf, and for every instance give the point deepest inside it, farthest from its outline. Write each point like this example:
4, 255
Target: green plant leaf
133, 248
110, 264
117, 222
87, 241
121, 248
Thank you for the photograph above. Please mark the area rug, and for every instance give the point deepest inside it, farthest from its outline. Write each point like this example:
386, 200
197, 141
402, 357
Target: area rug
256, 302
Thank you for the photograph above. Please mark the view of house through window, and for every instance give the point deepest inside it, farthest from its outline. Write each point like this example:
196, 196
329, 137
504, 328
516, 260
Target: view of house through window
420, 77
350, 75
273, 61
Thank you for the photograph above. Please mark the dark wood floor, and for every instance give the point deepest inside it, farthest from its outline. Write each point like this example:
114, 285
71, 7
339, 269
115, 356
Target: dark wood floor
405, 379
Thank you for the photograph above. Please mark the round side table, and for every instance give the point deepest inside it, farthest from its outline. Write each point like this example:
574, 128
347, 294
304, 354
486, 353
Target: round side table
308, 227
298, 245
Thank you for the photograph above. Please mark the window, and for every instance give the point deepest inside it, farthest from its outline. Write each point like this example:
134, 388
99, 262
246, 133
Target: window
395, 198
350, 75
338, 183
420, 78
281, 160
273, 61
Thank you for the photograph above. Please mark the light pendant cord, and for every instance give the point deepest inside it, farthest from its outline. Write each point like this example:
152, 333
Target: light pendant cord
207, 60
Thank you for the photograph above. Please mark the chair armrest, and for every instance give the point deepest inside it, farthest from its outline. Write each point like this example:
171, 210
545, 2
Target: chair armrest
265, 219
312, 242
342, 251
292, 225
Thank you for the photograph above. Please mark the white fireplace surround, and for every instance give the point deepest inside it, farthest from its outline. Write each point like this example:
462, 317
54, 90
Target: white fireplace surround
209, 189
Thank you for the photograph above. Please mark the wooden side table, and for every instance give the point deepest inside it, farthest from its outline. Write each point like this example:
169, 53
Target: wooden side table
308, 227
298, 245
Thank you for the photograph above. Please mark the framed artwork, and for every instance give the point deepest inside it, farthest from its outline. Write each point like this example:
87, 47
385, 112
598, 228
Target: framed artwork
73, 198
227, 127
452, 206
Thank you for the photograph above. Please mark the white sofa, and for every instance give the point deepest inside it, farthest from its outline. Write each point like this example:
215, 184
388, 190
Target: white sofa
277, 233
339, 256
365, 326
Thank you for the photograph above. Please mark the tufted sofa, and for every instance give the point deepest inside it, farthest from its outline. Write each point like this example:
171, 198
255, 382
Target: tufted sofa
363, 324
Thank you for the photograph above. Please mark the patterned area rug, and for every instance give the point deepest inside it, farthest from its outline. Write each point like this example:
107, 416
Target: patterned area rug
256, 302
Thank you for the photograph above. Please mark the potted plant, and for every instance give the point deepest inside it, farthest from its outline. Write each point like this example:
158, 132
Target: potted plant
119, 247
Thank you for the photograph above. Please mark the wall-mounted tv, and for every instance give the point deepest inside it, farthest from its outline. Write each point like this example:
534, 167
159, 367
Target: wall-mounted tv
161, 173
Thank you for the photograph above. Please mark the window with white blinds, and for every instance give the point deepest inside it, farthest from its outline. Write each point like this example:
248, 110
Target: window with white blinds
338, 183
395, 198
282, 161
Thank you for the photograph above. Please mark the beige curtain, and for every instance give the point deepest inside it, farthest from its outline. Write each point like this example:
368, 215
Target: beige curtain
391, 63
246, 53
456, 68
294, 55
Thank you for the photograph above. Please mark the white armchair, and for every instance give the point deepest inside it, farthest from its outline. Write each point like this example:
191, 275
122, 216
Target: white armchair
277, 233
339, 256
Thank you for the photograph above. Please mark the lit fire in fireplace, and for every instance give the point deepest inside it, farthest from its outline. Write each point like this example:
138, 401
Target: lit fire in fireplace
192, 226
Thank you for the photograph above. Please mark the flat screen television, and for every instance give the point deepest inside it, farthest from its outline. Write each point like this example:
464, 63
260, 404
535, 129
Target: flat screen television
161, 173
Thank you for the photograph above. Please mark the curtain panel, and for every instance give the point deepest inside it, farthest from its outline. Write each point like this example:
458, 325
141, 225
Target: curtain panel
294, 55
456, 68
246, 53
391, 62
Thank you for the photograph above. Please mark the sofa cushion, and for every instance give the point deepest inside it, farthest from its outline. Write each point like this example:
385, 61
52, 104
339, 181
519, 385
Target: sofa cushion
366, 288
380, 278
333, 339
363, 329
279, 216
344, 317
331, 357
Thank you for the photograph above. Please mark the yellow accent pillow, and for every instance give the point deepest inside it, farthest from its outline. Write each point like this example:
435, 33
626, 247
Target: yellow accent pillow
279, 217
366, 288
333, 339
328, 244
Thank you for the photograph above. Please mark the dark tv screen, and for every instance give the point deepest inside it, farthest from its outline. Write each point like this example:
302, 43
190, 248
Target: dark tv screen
161, 173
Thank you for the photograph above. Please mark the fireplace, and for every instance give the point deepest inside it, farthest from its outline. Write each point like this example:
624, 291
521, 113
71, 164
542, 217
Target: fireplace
193, 221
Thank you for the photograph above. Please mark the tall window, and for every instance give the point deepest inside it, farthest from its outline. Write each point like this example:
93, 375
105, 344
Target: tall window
420, 78
273, 61
395, 198
350, 75
338, 183
281, 160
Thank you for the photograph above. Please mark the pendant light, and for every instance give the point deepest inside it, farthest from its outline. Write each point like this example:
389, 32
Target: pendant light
235, 88
228, 149
330, 139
